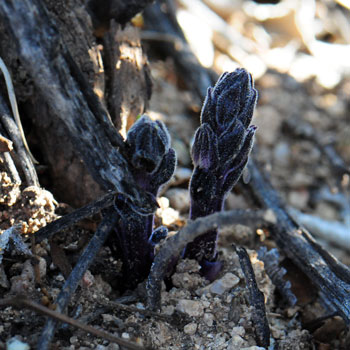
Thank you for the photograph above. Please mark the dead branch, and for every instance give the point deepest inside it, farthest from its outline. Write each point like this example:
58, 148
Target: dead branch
14, 133
76, 275
77, 215
68, 95
256, 299
20, 301
196, 76
174, 246
328, 274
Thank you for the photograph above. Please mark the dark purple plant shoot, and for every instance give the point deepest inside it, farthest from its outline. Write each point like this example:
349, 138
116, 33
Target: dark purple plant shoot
152, 163
220, 152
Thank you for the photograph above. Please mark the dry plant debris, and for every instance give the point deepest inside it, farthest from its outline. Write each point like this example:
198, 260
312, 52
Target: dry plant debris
298, 81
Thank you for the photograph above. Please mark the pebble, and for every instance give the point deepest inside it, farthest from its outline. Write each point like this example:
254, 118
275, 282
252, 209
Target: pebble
219, 287
188, 265
181, 175
186, 280
281, 154
298, 199
100, 347
107, 318
16, 344
168, 215
73, 340
168, 310
179, 199
182, 152
326, 211
42, 267
236, 342
190, 328
208, 319
113, 346
24, 282
192, 308
268, 120
237, 331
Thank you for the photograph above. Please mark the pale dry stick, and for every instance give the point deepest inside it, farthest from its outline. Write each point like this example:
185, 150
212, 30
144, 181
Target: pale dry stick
14, 107
217, 24
166, 37
9, 127
331, 231
173, 247
20, 301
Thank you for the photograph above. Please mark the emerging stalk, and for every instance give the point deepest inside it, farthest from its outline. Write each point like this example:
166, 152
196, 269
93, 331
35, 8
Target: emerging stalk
220, 152
152, 164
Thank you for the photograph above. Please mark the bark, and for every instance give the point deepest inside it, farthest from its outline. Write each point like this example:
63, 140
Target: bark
61, 89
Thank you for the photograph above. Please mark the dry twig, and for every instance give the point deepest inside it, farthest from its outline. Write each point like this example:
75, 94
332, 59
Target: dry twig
21, 301
76, 275
256, 299
174, 246
77, 215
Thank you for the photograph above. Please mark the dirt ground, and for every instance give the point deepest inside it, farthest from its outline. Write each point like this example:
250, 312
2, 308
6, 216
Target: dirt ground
198, 314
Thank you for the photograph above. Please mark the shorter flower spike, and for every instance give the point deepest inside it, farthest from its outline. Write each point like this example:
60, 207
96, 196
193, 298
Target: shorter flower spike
148, 141
220, 152
152, 163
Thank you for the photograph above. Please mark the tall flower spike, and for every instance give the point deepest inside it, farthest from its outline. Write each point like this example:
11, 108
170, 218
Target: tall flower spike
220, 152
152, 163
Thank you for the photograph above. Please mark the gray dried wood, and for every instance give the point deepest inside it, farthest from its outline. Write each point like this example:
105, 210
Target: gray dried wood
69, 97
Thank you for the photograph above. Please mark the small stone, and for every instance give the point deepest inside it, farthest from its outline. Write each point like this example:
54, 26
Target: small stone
168, 310
16, 344
281, 153
140, 306
181, 176
236, 342
125, 335
326, 211
237, 331
254, 348
73, 340
298, 199
179, 199
42, 267
208, 319
25, 282
107, 318
181, 149
59, 278
88, 279
113, 346
190, 328
168, 215
187, 280
100, 347
268, 120
224, 284
190, 307
188, 265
